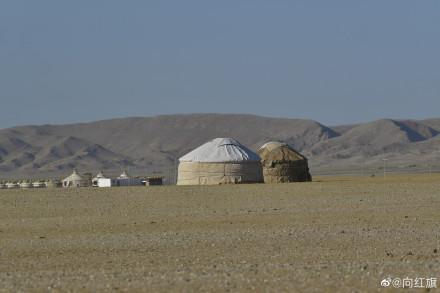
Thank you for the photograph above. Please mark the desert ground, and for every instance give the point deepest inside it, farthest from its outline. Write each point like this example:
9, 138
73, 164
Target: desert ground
336, 234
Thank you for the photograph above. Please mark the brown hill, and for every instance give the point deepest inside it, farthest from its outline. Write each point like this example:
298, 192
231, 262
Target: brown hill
27, 149
154, 143
376, 136
371, 142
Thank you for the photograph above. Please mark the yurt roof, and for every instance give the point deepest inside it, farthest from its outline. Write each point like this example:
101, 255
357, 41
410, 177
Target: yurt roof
221, 150
124, 175
99, 175
74, 177
279, 151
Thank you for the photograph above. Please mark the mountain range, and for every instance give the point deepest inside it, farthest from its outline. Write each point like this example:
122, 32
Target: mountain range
153, 144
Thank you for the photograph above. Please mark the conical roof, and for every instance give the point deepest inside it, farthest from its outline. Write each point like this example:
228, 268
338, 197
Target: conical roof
124, 175
100, 175
74, 177
279, 152
221, 150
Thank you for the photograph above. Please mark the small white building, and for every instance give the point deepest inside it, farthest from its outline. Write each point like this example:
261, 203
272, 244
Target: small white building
95, 181
102, 181
123, 180
105, 182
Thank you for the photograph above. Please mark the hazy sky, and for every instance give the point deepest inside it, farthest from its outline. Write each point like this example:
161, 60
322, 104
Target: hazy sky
332, 61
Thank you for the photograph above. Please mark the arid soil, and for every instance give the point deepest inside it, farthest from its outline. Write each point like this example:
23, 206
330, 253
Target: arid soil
337, 234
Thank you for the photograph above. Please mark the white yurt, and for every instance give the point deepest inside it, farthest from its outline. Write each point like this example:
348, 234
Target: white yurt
102, 181
75, 180
220, 161
25, 184
95, 180
12, 185
39, 184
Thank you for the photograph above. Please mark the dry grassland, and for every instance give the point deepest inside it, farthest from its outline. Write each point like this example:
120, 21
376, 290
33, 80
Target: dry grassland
337, 234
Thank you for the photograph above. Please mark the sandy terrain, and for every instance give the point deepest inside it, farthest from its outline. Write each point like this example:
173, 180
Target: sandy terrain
339, 234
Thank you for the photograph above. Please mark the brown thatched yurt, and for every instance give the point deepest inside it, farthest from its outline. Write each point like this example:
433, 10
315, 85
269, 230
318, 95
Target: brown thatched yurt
281, 163
220, 161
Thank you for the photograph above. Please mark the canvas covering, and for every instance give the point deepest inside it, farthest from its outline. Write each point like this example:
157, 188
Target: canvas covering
220, 161
199, 173
221, 150
281, 163
75, 180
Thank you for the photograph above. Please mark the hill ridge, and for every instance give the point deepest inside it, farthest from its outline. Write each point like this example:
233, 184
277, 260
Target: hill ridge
154, 143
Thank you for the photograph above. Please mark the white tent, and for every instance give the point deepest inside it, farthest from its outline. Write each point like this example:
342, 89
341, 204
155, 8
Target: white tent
12, 185
220, 161
39, 184
75, 180
95, 181
26, 184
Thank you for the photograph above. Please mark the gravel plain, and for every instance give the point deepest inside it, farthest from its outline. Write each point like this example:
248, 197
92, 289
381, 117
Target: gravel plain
337, 234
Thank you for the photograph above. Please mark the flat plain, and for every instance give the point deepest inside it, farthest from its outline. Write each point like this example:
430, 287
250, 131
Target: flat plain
336, 234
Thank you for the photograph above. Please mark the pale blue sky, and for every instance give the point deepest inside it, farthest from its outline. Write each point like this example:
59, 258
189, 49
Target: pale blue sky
333, 61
